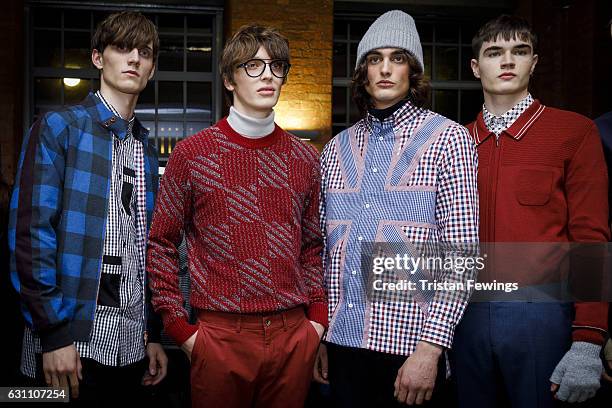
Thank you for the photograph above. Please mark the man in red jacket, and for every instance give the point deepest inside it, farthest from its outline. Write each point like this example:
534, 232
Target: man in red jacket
245, 195
541, 178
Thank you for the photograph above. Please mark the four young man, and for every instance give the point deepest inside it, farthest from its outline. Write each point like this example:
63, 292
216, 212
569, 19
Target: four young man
275, 243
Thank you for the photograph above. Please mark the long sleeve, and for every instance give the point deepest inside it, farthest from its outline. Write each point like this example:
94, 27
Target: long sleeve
172, 208
587, 197
457, 218
35, 213
311, 251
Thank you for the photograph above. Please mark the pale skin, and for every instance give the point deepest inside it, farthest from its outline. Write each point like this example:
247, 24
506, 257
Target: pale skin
388, 83
254, 97
124, 74
515, 58
504, 68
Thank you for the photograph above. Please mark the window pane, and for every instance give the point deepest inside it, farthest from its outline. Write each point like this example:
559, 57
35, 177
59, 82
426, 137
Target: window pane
468, 31
471, 104
47, 48
427, 60
359, 28
47, 17
195, 127
199, 101
171, 23
340, 29
171, 53
339, 104
75, 93
47, 94
337, 129
77, 19
339, 60
425, 32
447, 33
446, 64
168, 132
145, 109
170, 98
353, 50
77, 52
466, 68
199, 24
199, 54
354, 114
446, 103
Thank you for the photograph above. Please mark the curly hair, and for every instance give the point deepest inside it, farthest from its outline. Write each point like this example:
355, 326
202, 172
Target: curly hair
418, 94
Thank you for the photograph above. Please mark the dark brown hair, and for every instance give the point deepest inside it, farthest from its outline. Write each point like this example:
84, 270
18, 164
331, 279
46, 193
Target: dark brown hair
127, 29
418, 93
243, 46
506, 27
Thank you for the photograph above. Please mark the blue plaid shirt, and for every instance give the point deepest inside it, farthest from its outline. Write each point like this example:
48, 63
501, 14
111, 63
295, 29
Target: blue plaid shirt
58, 217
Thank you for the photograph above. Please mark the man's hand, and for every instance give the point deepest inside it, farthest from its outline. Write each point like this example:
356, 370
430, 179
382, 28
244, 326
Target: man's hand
62, 367
319, 328
416, 378
320, 367
158, 364
187, 346
576, 377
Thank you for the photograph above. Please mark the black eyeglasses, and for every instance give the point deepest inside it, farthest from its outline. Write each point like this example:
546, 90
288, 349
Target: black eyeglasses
255, 67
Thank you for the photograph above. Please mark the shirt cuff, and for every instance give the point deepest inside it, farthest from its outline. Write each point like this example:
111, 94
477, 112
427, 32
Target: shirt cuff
438, 332
56, 337
317, 312
589, 335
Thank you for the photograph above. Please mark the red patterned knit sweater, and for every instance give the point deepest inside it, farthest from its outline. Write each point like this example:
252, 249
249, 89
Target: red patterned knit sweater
249, 210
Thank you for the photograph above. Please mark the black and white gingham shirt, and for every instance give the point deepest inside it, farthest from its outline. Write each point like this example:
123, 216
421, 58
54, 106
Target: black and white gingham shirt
117, 337
497, 124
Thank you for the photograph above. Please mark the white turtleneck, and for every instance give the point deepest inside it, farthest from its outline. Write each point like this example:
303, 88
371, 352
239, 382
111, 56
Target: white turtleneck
249, 127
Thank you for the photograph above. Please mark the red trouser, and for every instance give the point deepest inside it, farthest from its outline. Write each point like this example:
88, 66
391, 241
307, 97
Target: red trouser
252, 360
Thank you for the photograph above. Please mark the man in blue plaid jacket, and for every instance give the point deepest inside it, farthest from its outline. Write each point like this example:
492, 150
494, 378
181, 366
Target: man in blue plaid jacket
79, 217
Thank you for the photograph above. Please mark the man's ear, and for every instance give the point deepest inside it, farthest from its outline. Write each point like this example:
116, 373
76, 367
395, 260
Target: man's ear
97, 59
534, 62
228, 85
152, 72
475, 68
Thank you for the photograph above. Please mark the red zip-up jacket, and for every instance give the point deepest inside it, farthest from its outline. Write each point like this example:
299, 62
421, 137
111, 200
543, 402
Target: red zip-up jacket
545, 180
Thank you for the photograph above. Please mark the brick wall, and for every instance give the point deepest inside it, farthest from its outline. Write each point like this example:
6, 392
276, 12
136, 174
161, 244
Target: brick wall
305, 101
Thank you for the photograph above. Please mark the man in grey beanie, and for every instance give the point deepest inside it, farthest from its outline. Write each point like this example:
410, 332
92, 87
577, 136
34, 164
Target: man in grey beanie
400, 174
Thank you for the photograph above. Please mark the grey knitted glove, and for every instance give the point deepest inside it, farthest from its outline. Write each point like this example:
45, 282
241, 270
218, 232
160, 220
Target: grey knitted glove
578, 372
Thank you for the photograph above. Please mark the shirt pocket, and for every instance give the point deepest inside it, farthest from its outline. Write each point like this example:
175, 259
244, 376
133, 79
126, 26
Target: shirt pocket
127, 189
534, 187
110, 282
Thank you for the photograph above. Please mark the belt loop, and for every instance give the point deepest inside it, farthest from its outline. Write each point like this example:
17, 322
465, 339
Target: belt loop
284, 321
239, 323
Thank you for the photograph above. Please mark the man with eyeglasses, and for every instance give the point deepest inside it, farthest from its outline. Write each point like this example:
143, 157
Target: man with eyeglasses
245, 194
402, 174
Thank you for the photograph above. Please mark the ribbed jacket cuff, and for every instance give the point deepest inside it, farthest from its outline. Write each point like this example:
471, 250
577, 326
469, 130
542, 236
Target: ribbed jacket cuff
589, 336
317, 312
180, 330
56, 337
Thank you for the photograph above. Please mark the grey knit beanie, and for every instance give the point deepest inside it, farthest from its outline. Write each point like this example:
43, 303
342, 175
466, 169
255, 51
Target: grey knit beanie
394, 29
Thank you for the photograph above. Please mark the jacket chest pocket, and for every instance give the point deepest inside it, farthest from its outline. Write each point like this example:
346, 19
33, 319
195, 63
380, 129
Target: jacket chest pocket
534, 187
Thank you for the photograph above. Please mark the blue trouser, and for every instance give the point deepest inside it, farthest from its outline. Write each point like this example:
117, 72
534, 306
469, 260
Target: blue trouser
504, 353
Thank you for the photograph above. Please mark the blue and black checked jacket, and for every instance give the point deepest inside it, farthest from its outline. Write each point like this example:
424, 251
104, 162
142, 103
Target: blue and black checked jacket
58, 218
